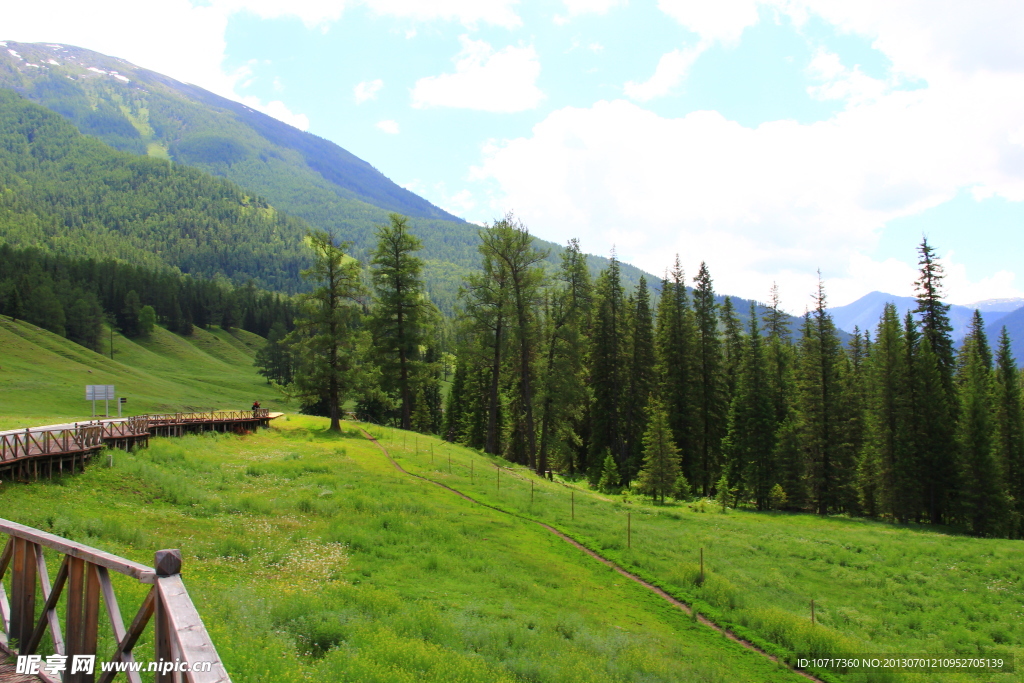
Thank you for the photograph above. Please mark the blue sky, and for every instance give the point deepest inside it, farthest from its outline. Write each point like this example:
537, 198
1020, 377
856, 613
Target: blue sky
771, 138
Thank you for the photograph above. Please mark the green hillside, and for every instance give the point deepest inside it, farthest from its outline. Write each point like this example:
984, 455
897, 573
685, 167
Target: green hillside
43, 376
310, 558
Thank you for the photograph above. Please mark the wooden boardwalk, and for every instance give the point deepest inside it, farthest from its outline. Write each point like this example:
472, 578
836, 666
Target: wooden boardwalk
27, 455
8, 674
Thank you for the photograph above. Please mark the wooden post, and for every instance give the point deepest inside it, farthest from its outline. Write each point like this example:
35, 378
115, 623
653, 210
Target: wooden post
629, 529
167, 563
23, 590
812, 611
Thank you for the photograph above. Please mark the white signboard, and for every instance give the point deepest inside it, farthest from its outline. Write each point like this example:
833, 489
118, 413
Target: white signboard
99, 392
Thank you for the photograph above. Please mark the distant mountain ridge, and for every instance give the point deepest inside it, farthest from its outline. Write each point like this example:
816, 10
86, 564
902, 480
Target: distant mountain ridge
865, 312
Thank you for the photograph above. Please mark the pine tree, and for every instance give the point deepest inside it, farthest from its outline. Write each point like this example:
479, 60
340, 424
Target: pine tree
887, 470
660, 472
675, 348
751, 438
936, 459
820, 401
641, 378
564, 394
609, 474
607, 369
711, 407
511, 244
402, 313
1008, 437
326, 330
982, 501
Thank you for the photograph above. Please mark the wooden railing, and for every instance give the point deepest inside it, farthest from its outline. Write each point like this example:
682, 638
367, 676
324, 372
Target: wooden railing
131, 426
84, 578
49, 441
211, 416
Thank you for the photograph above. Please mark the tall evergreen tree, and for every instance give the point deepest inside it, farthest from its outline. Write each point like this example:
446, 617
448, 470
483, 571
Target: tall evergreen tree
751, 438
402, 313
675, 346
661, 456
888, 471
936, 456
711, 408
820, 403
563, 380
641, 378
326, 331
982, 501
1008, 437
509, 243
608, 364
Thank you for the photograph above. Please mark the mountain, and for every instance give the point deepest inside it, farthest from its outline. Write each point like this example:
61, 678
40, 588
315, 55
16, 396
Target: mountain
1014, 323
866, 311
285, 173
997, 305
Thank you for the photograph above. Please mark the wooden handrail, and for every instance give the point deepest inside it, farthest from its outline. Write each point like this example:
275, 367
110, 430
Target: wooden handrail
84, 580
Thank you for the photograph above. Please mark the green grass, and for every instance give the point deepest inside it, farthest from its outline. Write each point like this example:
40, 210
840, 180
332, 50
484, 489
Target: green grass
310, 558
878, 588
43, 376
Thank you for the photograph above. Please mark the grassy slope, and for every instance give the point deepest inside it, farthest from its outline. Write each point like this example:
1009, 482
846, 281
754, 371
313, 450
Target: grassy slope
879, 588
43, 376
310, 558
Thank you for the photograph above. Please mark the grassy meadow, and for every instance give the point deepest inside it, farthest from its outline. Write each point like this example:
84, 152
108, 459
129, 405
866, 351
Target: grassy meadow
311, 558
43, 376
878, 588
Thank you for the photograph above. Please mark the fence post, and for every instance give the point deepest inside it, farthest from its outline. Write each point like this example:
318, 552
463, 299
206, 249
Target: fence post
166, 563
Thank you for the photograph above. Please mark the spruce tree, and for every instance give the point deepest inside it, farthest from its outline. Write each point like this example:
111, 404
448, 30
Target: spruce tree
675, 348
1008, 437
402, 313
751, 437
564, 393
937, 463
608, 365
887, 471
642, 378
660, 472
982, 502
820, 404
511, 245
710, 399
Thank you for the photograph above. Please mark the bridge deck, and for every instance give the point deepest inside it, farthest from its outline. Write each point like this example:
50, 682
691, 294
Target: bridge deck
25, 453
8, 674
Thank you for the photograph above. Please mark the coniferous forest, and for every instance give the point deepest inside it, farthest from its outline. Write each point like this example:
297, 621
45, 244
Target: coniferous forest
673, 395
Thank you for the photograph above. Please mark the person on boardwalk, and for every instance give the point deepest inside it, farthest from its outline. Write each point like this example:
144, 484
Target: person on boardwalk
255, 408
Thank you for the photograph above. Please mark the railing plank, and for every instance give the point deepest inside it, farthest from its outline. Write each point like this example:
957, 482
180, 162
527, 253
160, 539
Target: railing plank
118, 564
187, 629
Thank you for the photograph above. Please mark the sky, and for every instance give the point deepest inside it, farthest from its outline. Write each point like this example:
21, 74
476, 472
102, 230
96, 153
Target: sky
771, 139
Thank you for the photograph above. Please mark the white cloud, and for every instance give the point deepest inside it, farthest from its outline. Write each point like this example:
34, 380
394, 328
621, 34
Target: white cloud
485, 80
279, 110
671, 71
578, 7
722, 20
388, 126
367, 90
469, 13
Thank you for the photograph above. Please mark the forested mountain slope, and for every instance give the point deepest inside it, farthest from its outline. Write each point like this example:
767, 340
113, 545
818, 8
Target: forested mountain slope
72, 194
146, 113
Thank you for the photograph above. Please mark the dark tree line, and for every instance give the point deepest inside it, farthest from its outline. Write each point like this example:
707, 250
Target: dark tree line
76, 297
559, 370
